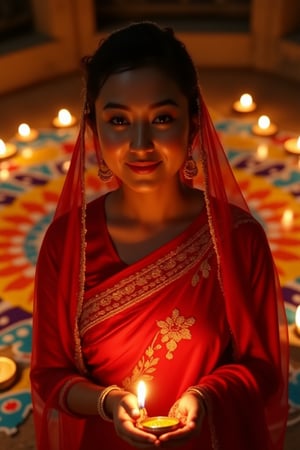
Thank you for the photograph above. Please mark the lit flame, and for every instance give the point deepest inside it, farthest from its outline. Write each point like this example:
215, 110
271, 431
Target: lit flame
246, 100
27, 153
141, 394
287, 219
264, 122
2, 148
298, 143
262, 152
297, 317
66, 165
64, 117
24, 130
4, 174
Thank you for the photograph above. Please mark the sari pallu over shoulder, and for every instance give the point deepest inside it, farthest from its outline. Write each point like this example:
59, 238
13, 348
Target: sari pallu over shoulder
227, 393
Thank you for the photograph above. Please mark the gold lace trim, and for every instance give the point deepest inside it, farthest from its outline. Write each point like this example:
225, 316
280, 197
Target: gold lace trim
145, 282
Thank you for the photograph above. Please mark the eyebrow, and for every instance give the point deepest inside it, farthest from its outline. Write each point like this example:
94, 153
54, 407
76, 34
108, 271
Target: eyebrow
165, 102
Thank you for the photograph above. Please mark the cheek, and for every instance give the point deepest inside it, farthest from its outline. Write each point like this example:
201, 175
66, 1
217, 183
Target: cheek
177, 138
109, 139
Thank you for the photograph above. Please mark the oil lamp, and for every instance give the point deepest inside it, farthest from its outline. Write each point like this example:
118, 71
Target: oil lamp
157, 424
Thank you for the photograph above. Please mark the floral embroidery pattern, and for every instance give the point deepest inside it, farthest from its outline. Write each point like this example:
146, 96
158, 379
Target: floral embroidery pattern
204, 270
172, 330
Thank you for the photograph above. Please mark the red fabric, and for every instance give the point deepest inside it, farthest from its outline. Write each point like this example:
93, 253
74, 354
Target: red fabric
216, 281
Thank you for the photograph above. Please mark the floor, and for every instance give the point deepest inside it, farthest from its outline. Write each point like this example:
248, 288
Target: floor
37, 105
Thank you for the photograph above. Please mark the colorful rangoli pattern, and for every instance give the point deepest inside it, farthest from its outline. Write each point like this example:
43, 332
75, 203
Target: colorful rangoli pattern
29, 188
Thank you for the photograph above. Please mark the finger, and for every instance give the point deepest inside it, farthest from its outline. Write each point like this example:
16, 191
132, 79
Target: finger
136, 437
184, 433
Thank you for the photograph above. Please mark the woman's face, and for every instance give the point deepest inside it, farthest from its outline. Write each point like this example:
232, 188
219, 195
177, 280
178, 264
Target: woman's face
143, 126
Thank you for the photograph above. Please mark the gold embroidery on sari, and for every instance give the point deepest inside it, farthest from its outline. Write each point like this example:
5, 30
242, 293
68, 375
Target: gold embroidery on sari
172, 330
204, 269
145, 282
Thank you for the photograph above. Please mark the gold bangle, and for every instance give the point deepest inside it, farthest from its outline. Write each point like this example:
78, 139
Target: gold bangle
101, 399
197, 390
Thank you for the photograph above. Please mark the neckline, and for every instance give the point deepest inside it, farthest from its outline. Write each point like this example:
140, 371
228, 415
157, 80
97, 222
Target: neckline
193, 226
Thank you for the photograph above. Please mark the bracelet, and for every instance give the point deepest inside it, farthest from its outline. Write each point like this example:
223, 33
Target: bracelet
101, 399
198, 391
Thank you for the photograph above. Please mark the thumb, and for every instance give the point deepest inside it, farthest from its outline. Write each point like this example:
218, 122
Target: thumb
130, 405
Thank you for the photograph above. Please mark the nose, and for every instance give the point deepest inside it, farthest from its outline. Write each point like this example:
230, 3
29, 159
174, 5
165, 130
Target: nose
141, 138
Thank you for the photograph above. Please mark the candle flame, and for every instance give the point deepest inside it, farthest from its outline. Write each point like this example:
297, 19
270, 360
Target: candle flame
287, 219
24, 130
2, 148
64, 117
262, 152
141, 394
298, 143
297, 317
264, 122
4, 174
246, 100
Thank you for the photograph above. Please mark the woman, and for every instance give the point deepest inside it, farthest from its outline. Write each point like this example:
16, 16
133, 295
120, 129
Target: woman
165, 278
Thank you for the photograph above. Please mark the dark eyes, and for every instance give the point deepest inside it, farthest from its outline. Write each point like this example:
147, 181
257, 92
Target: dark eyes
162, 119
118, 121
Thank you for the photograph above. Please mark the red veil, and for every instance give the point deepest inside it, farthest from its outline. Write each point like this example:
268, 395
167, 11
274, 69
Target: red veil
221, 190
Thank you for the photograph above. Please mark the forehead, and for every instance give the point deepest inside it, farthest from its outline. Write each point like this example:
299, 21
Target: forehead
146, 85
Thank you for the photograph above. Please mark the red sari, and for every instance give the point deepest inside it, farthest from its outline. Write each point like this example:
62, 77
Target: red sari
162, 319
205, 309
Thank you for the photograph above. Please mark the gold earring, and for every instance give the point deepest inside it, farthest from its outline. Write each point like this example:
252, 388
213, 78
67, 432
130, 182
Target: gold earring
104, 172
190, 169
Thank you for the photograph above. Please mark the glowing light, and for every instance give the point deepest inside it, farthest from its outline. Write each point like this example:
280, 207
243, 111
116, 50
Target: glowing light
25, 133
64, 119
293, 145
7, 150
141, 394
297, 320
287, 219
264, 122
244, 104
264, 127
262, 152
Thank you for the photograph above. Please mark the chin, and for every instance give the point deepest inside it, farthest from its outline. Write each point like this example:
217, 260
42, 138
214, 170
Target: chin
144, 187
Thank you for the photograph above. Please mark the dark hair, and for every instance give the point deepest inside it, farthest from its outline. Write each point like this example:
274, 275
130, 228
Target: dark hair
138, 45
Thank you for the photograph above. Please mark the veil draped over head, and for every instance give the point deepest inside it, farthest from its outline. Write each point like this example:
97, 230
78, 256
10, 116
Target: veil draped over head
221, 191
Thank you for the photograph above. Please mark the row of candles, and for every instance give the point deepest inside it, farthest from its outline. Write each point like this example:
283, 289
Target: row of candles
264, 127
64, 119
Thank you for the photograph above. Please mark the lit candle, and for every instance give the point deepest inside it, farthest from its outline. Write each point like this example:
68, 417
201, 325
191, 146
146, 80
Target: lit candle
25, 133
27, 152
66, 166
264, 127
245, 104
262, 152
297, 321
156, 425
287, 219
7, 150
8, 372
4, 174
293, 146
64, 119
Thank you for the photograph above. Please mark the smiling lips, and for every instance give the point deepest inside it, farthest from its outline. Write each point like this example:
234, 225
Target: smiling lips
143, 167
